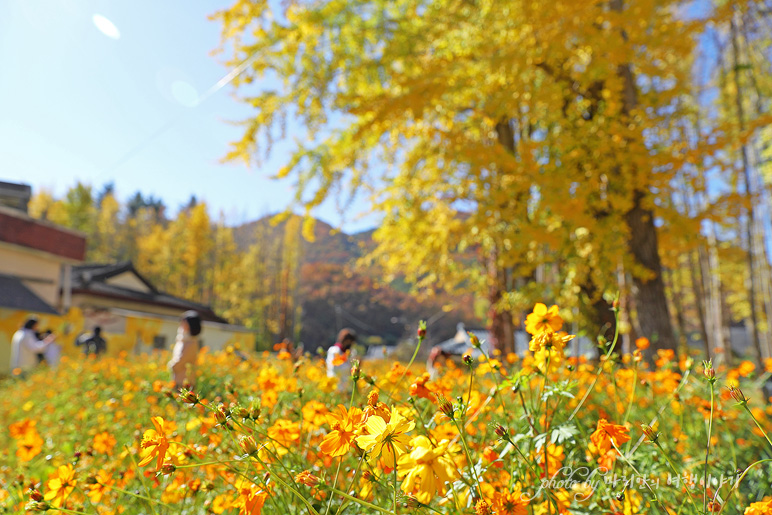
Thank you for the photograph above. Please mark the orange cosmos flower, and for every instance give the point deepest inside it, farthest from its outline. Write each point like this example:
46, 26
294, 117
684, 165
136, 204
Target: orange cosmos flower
97, 486
490, 455
340, 358
23, 427
29, 446
555, 457
605, 434
104, 443
376, 408
284, 433
60, 485
510, 503
760, 508
642, 343
251, 500
154, 442
419, 388
314, 413
543, 320
345, 426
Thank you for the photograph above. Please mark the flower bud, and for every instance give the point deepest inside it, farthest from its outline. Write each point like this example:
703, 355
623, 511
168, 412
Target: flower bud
221, 415
189, 397
241, 412
35, 495
248, 444
446, 406
468, 360
356, 370
307, 478
650, 433
255, 412
709, 371
738, 395
412, 502
502, 432
168, 468
37, 506
474, 340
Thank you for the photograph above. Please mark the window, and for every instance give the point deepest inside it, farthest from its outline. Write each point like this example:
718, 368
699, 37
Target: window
159, 341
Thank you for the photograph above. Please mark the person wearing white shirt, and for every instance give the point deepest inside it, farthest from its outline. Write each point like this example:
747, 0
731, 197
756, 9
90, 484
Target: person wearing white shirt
25, 346
338, 359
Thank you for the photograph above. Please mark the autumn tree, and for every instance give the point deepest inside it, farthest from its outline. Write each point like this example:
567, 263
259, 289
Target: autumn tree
535, 136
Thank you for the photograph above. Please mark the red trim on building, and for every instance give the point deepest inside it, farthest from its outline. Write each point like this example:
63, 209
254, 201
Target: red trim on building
33, 234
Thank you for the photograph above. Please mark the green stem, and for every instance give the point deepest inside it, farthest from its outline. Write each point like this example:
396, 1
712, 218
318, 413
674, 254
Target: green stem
630, 464
737, 484
351, 484
359, 501
334, 484
672, 467
141, 480
632, 395
468, 457
415, 353
65, 510
396, 481
707, 452
132, 494
600, 366
745, 405
469, 393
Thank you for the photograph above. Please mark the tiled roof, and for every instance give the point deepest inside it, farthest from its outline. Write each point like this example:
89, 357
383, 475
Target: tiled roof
14, 295
92, 279
18, 228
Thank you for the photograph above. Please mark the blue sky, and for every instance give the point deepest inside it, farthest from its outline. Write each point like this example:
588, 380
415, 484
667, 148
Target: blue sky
77, 103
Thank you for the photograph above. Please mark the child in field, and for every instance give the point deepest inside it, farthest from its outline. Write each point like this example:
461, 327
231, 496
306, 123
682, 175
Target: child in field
185, 351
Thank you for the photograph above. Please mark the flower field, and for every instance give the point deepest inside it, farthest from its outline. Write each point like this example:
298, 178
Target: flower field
542, 434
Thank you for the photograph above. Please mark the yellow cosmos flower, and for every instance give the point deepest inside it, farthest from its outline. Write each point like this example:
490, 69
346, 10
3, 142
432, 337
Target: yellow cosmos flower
426, 469
386, 441
60, 485
155, 442
345, 426
543, 320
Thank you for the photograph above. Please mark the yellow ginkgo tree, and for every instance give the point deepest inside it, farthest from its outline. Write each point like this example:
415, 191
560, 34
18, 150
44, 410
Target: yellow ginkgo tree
502, 142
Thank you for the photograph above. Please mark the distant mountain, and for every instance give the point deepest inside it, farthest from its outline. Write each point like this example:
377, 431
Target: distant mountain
335, 293
329, 245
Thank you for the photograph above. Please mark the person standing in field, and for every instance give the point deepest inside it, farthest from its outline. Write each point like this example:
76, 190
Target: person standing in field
185, 351
25, 346
338, 362
93, 343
